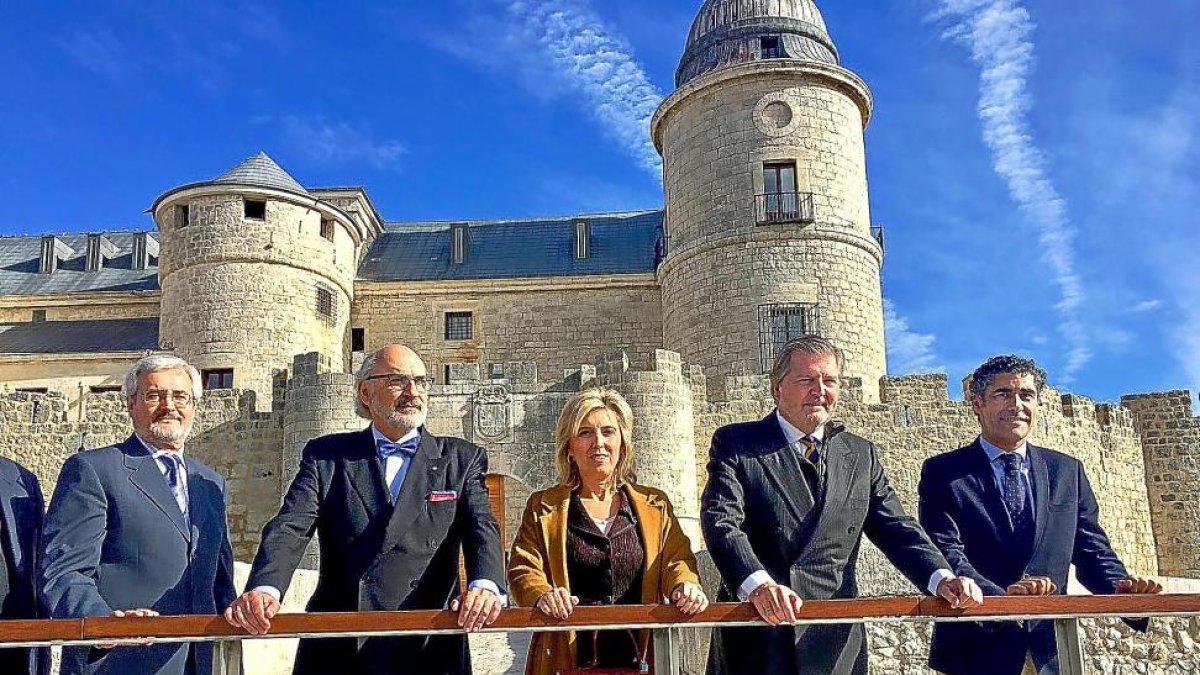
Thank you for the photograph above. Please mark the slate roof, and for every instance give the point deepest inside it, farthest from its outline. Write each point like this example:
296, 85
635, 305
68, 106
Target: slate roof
261, 171
19, 258
620, 243
82, 336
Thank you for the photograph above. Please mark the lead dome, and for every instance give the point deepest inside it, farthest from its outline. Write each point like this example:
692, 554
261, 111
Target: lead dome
727, 32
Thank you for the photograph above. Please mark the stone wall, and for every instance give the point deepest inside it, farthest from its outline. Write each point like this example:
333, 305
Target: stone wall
1170, 443
72, 306
556, 323
715, 134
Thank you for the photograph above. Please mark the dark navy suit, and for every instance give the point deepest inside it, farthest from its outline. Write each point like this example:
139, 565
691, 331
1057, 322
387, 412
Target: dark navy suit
115, 539
380, 556
21, 520
962, 509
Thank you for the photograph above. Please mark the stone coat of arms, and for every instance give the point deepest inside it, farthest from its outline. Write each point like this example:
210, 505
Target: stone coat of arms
492, 413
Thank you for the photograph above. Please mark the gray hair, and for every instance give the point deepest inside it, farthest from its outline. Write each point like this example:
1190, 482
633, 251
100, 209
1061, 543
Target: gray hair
809, 344
360, 375
1008, 363
153, 364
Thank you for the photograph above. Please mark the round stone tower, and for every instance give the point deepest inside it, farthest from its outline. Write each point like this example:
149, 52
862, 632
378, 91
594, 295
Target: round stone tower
767, 227
254, 270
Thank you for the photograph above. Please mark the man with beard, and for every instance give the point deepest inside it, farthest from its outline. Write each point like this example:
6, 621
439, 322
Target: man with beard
1015, 516
391, 505
788, 500
137, 529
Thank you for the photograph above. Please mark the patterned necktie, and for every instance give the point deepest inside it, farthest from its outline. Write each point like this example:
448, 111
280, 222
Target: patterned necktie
173, 462
810, 449
1014, 495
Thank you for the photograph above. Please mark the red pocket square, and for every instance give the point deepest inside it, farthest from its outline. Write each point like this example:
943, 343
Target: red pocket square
442, 496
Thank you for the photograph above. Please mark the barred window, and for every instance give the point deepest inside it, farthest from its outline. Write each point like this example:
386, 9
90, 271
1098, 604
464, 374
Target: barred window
325, 302
459, 325
780, 324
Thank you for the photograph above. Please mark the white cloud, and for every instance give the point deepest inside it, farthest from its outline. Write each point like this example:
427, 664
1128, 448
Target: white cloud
907, 350
561, 46
338, 142
101, 52
1146, 306
998, 34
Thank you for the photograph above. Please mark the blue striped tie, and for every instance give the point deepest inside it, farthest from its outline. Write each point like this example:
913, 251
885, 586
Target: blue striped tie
174, 463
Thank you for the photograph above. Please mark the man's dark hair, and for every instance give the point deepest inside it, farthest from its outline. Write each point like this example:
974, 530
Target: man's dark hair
1009, 363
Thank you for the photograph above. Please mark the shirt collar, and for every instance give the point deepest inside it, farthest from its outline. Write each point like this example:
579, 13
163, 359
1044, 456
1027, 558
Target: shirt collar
156, 452
793, 434
993, 452
380, 438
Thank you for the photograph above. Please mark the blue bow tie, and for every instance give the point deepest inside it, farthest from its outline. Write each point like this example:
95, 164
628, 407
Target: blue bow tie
407, 448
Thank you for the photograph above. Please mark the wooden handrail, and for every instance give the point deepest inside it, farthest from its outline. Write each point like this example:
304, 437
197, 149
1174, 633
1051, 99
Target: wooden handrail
177, 628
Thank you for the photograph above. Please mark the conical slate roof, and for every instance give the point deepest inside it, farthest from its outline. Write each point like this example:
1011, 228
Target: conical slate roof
728, 32
260, 171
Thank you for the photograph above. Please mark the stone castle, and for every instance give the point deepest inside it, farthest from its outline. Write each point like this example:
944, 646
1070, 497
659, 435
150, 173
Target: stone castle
275, 291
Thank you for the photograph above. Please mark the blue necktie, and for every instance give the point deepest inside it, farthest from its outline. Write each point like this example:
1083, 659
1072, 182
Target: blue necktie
403, 451
1015, 496
812, 448
174, 463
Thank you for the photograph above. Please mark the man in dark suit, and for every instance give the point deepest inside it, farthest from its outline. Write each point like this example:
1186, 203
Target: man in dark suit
137, 529
20, 527
787, 502
1014, 516
391, 505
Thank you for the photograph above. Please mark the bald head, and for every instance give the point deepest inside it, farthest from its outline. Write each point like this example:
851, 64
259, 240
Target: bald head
395, 406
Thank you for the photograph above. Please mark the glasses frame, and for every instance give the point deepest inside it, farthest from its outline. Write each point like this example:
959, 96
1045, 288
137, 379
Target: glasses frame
180, 399
422, 383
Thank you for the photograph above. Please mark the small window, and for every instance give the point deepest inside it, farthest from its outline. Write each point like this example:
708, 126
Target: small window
327, 229
495, 371
217, 378
446, 374
458, 325
185, 215
33, 390
325, 305
769, 47
358, 340
39, 315
255, 209
458, 244
781, 201
780, 324
582, 239
105, 389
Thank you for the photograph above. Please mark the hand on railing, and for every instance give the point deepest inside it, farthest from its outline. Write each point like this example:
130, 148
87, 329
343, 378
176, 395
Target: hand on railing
478, 608
130, 614
776, 604
689, 598
1033, 586
253, 612
1138, 586
558, 603
960, 592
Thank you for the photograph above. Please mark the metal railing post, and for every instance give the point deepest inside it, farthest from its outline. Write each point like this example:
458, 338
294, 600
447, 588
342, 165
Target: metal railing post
1070, 647
666, 651
227, 657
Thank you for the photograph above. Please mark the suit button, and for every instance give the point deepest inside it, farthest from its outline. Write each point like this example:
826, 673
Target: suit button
432, 543
851, 529
414, 583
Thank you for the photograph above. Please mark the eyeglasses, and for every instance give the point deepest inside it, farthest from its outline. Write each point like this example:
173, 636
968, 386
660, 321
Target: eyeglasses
155, 397
397, 382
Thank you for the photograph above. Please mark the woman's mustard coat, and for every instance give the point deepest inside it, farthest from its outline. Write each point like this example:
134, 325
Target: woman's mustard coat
538, 562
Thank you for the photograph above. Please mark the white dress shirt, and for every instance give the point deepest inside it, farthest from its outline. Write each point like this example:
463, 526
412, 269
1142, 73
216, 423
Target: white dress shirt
158, 454
760, 577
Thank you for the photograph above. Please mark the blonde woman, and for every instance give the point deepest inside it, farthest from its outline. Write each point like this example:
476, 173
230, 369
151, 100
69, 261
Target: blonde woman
598, 538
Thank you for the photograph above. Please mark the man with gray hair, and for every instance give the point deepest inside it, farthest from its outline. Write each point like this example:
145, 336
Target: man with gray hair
1014, 516
788, 500
138, 529
392, 504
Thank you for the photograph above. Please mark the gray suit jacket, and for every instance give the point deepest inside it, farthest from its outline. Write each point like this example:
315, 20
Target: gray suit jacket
115, 539
758, 514
21, 511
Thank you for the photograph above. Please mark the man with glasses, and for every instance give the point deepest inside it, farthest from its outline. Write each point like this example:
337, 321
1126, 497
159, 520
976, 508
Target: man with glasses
1015, 517
391, 505
138, 529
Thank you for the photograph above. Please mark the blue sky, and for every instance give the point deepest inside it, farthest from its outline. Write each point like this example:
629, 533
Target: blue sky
1036, 163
